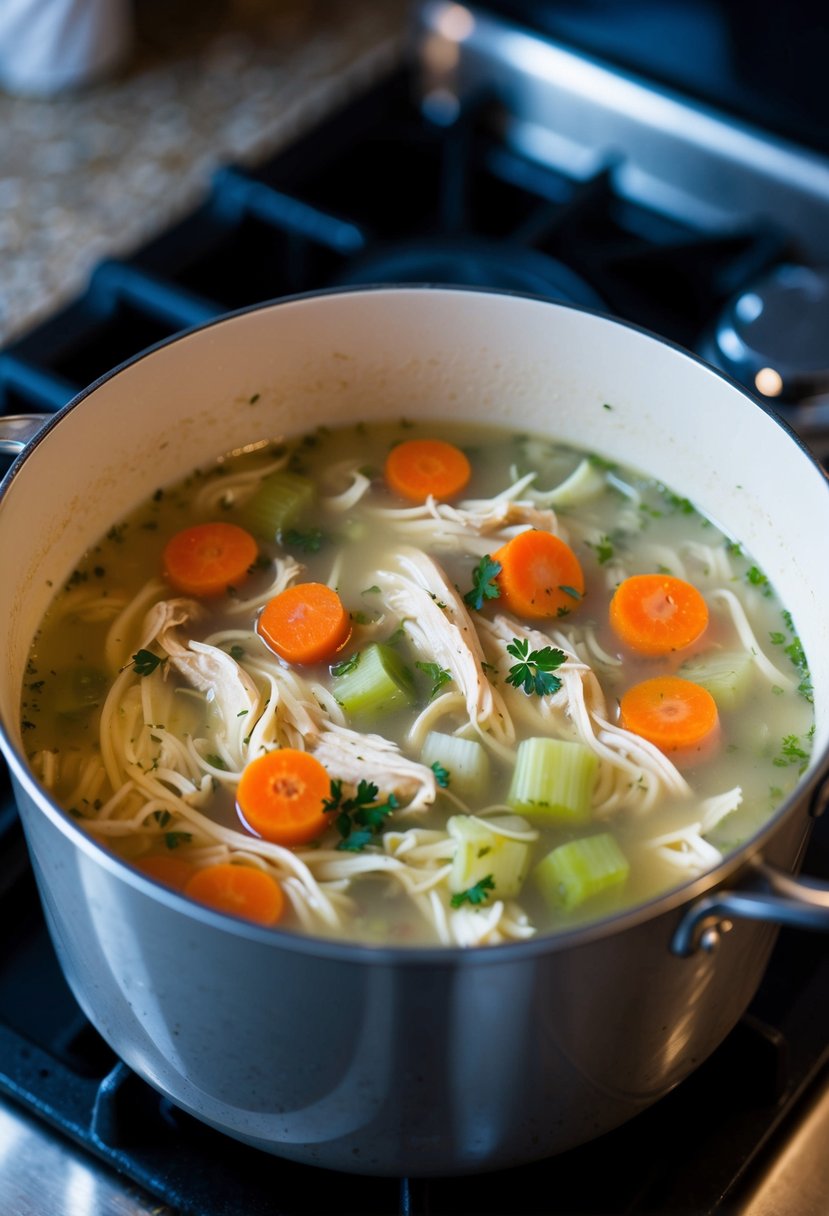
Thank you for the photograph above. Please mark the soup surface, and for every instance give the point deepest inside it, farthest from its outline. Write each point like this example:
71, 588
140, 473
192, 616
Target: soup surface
418, 684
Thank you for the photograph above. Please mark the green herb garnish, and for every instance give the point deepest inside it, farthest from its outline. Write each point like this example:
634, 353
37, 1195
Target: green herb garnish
437, 674
477, 894
174, 839
534, 670
347, 665
441, 774
484, 586
791, 753
144, 662
310, 541
360, 818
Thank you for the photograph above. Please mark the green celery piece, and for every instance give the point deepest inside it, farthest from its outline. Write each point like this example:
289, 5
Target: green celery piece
465, 760
553, 780
380, 681
727, 675
279, 501
479, 852
574, 872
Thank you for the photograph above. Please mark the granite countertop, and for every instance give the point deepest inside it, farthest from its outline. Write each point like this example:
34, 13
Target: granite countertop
94, 171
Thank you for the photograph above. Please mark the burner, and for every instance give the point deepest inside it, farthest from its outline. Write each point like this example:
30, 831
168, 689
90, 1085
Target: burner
474, 263
772, 336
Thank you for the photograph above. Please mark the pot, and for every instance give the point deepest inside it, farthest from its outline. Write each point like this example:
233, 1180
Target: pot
419, 1061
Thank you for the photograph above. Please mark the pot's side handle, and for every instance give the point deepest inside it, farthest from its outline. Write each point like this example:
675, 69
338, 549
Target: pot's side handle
18, 430
765, 893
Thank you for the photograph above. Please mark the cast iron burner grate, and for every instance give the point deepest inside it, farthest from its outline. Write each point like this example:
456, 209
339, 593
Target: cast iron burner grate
379, 193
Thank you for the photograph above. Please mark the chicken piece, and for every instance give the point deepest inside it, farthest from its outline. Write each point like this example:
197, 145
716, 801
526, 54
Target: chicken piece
228, 687
353, 757
435, 618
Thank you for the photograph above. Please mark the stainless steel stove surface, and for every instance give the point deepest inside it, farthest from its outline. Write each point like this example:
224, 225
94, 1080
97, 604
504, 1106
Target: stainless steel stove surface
497, 157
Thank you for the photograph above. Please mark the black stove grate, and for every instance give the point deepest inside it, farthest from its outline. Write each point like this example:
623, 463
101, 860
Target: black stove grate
378, 193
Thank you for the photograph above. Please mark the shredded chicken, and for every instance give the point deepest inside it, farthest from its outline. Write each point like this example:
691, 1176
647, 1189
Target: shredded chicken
228, 686
436, 620
633, 772
474, 523
352, 757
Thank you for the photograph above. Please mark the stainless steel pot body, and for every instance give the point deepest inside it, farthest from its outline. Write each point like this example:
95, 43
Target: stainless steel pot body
388, 1061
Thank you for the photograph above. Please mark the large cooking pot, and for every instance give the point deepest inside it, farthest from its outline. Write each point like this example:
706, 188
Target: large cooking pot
419, 1061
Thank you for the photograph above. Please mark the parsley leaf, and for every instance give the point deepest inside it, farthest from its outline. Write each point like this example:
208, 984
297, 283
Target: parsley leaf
484, 586
791, 753
534, 670
310, 541
347, 665
477, 894
174, 839
603, 549
441, 774
360, 818
437, 674
145, 662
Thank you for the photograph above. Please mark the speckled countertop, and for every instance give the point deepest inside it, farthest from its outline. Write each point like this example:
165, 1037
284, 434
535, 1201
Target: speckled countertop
95, 171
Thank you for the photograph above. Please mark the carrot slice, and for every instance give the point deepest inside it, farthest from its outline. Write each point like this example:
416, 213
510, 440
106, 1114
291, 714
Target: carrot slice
239, 890
166, 868
657, 613
281, 795
417, 468
306, 623
674, 714
540, 575
208, 558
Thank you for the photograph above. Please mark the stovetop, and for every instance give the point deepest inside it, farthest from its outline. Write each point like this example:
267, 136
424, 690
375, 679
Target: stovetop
392, 190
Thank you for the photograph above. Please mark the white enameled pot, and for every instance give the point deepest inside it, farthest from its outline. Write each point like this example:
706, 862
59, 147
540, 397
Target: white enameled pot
379, 1060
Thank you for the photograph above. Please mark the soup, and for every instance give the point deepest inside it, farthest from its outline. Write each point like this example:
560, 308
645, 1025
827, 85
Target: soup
418, 684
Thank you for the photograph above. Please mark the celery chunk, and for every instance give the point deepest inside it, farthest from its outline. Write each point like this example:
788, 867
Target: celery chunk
374, 681
727, 675
576, 871
481, 851
465, 760
553, 780
277, 503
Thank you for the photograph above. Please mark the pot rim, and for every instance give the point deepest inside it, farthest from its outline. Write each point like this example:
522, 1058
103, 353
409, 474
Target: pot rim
417, 956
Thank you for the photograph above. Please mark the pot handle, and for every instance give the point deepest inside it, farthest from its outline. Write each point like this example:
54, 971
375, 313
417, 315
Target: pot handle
765, 893
18, 430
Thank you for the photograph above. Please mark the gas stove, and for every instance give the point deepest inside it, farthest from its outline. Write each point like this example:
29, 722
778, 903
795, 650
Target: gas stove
506, 151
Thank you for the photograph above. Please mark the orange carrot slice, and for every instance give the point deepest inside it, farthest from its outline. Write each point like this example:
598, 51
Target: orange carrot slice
417, 468
676, 715
306, 623
540, 575
280, 796
208, 558
239, 890
657, 613
166, 868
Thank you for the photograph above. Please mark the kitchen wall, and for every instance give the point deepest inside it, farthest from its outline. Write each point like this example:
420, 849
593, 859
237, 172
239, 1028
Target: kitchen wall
94, 170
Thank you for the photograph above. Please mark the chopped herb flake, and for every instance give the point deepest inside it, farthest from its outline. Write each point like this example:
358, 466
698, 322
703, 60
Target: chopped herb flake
437, 674
484, 586
144, 662
477, 894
